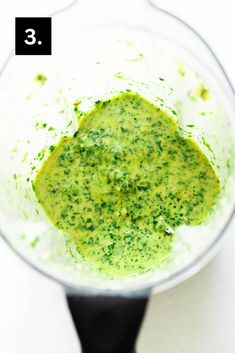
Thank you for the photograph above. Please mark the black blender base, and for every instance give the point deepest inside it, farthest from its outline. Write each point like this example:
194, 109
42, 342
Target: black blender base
107, 324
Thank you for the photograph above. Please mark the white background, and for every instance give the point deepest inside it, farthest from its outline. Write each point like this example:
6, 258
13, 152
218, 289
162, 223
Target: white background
197, 316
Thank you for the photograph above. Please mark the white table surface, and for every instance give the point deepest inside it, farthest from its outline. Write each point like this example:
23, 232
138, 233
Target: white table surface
197, 316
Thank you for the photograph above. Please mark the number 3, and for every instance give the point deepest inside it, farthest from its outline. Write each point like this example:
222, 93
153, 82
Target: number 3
30, 36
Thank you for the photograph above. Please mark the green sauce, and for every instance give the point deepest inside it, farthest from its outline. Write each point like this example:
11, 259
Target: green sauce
123, 183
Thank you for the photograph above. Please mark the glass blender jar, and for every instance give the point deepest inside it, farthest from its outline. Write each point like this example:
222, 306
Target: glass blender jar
92, 47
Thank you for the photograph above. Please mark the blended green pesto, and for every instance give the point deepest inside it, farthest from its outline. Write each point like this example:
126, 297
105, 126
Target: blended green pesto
122, 184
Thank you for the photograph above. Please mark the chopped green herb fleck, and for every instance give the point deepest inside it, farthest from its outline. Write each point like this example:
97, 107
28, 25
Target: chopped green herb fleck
203, 92
41, 79
181, 70
35, 242
51, 148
